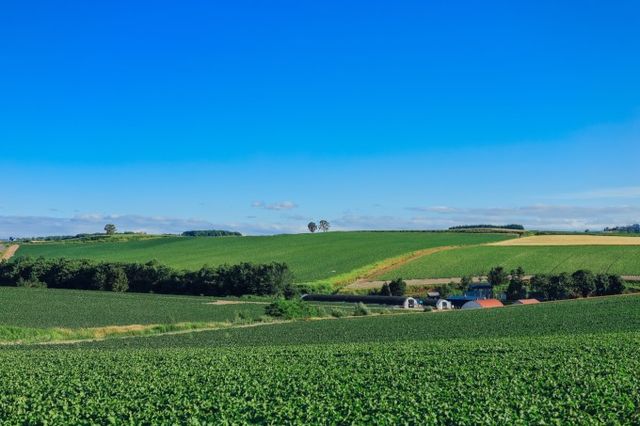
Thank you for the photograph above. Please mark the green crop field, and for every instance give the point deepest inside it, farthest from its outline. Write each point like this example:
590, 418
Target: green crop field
311, 257
571, 362
623, 260
26, 307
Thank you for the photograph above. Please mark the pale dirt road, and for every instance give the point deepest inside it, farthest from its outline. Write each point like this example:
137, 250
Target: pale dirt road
9, 252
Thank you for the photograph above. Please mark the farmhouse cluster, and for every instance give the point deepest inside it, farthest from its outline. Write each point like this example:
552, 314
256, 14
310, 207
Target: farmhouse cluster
478, 296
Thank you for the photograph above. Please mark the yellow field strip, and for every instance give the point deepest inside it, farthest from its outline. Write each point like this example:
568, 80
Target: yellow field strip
570, 240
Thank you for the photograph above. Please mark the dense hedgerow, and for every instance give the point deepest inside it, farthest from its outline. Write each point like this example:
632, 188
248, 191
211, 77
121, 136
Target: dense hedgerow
226, 280
211, 233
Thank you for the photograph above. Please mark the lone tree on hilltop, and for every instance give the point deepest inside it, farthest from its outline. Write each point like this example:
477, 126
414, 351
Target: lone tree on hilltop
110, 229
324, 225
312, 227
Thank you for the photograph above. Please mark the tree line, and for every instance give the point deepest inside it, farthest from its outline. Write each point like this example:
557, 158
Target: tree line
211, 233
510, 226
630, 229
582, 283
151, 277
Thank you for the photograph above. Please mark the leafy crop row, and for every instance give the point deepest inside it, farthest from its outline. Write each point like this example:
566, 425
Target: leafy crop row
25, 307
566, 380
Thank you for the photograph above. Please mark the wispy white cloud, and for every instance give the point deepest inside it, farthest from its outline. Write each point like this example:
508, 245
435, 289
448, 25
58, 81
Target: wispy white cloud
282, 205
534, 216
621, 192
33, 226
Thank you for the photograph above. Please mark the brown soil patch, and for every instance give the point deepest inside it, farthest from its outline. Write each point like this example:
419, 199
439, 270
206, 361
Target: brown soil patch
570, 240
8, 254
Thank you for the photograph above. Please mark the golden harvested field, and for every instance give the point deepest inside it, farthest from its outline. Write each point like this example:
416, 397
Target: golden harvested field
570, 240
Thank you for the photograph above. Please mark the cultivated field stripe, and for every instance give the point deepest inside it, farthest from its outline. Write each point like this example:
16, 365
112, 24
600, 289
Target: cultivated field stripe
570, 240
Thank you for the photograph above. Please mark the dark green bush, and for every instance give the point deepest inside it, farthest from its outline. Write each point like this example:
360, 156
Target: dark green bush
225, 280
291, 309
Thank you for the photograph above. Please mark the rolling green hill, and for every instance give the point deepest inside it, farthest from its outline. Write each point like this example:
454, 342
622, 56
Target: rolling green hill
311, 257
623, 260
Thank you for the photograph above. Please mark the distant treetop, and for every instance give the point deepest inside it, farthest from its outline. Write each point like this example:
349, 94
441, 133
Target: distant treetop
211, 233
630, 229
511, 226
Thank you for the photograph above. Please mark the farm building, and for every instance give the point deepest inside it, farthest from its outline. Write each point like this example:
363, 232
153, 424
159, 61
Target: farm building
400, 301
482, 304
439, 304
443, 304
526, 302
475, 292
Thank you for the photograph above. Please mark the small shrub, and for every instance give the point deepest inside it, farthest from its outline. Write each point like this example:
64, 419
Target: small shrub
337, 313
427, 308
361, 309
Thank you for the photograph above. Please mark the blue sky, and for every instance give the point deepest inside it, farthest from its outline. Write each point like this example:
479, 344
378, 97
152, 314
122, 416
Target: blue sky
260, 116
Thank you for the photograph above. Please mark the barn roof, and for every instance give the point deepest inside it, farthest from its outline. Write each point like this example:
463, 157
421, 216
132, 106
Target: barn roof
527, 301
489, 303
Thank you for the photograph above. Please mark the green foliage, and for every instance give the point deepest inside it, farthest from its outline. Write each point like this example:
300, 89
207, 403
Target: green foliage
397, 287
211, 233
497, 276
110, 229
465, 282
310, 257
514, 227
324, 225
621, 260
225, 280
294, 308
516, 289
361, 309
584, 282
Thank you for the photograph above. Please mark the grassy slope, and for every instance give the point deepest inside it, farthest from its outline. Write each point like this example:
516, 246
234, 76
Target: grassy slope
311, 256
623, 260
25, 307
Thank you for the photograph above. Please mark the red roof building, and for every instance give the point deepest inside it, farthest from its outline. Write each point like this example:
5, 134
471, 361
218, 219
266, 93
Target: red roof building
483, 304
526, 302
